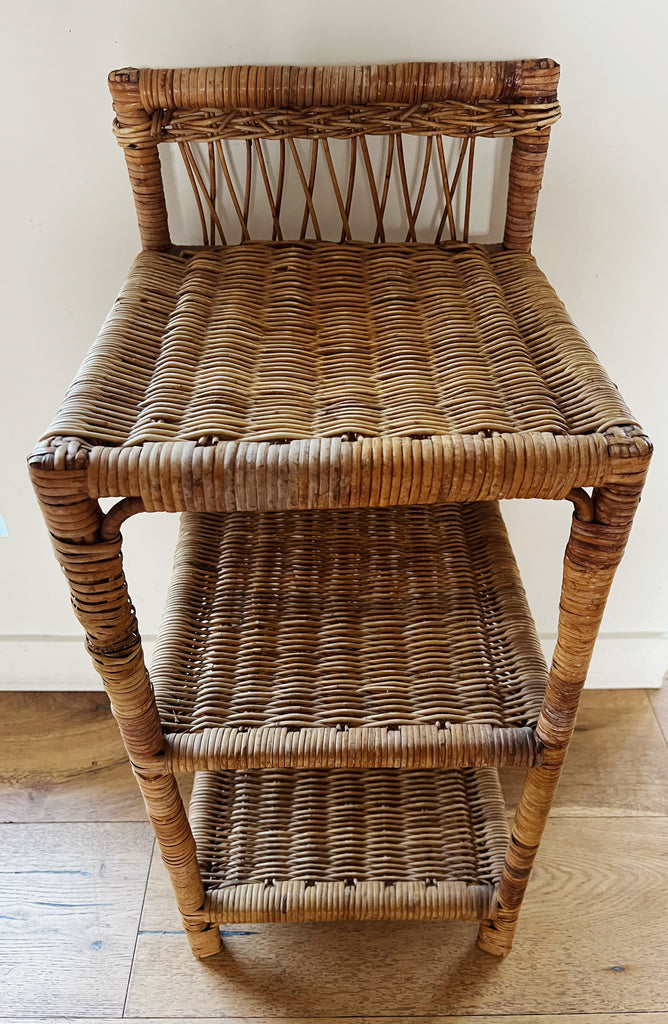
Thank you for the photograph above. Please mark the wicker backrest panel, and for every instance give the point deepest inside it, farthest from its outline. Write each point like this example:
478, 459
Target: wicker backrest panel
358, 187
205, 110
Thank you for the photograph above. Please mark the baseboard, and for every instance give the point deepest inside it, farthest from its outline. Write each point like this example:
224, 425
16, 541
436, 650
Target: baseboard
49, 663
621, 661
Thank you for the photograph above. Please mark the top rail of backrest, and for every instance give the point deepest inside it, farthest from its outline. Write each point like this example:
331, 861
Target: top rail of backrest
145, 98
256, 87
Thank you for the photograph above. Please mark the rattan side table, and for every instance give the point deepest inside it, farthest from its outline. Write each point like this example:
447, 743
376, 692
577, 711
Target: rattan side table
346, 653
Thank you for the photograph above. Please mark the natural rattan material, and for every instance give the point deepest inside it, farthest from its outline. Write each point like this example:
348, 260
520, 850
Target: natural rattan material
334, 473
296, 88
382, 375
453, 119
313, 846
466, 98
384, 169
296, 340
294, 634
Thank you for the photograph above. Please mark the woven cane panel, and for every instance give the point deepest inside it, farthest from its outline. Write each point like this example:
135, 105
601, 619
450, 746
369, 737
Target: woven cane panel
289, 845
347, 619
297, 340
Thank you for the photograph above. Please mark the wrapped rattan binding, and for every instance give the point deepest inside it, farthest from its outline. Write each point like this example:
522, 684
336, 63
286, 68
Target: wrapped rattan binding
266, 87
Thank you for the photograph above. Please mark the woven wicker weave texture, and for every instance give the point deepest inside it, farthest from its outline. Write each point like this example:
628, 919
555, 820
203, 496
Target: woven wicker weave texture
331, 845
339, 620
274, 341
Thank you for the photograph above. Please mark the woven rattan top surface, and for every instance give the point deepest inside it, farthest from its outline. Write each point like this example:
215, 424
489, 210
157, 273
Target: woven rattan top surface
275, 341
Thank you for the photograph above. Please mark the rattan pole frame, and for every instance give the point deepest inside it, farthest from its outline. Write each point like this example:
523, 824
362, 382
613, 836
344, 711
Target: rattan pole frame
143, 164
70, 474
93, 567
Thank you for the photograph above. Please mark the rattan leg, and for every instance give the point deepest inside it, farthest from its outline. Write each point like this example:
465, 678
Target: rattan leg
94, 570
593, 553
102, 604
177, 848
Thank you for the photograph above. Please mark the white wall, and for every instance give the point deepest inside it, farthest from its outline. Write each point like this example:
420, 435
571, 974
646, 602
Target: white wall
70, 232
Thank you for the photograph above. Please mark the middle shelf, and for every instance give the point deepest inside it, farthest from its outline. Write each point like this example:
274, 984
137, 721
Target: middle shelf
396, 637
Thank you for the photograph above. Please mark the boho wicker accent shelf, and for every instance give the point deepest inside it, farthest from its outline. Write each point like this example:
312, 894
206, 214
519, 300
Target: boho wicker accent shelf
335, 388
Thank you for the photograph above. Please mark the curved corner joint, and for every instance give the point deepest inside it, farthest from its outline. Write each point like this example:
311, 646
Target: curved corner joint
584, 504
116, 516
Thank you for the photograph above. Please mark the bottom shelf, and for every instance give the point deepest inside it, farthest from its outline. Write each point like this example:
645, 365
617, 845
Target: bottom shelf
285, 845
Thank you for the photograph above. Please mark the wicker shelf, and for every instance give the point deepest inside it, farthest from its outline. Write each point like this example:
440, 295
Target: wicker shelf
374, 845
335, 398
381, 638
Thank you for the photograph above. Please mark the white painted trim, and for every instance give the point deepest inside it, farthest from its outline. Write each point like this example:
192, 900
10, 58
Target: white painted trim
49, 663
634, 661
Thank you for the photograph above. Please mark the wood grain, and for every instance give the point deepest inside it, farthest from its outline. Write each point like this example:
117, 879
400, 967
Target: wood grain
70, 901
432, 969
616, 736
69, 763
587, 942
66, 761
541, 1018
659, 702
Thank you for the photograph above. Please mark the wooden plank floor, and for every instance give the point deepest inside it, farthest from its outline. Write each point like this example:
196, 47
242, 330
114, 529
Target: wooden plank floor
89, 932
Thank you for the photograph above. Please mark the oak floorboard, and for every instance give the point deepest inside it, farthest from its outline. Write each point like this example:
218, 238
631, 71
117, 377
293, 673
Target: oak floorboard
541, 1018
591, 940
616, 768
659, 702
65, 761
617, 763
70, 903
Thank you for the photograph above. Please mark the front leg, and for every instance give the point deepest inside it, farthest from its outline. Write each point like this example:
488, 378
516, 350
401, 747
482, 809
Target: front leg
599, 532
93, 564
